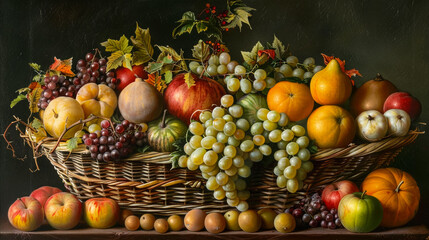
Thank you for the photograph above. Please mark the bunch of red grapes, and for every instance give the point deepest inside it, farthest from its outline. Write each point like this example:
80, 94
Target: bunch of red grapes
114, 142
90, 70
312, 212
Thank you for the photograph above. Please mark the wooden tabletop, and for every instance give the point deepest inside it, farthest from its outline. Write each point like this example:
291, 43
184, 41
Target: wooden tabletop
83, 233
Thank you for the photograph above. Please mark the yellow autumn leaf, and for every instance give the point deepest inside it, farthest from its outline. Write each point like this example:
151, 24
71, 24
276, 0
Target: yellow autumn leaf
189, 80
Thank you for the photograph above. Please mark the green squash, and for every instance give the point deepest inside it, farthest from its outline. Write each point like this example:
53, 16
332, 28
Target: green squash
162, 133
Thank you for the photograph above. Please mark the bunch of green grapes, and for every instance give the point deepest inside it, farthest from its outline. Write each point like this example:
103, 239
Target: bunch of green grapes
292, 68
236, 77
292, 155
220, 148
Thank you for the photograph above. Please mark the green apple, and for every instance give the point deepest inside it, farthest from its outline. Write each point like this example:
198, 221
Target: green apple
359, 212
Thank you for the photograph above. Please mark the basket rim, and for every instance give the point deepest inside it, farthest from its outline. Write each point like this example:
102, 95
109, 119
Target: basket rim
358, 150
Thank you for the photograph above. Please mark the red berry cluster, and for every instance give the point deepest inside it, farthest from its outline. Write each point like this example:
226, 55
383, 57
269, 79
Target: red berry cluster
221, 17
217, 47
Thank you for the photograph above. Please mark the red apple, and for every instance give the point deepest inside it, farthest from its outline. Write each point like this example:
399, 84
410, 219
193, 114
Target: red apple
333, 193
43, 193
404, 101
26, 214
63, 210
126, 76
101, 212
183, 101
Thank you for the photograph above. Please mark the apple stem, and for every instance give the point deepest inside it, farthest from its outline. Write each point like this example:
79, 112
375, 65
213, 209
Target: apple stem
363, 194
55, 114
399, 185
163, 119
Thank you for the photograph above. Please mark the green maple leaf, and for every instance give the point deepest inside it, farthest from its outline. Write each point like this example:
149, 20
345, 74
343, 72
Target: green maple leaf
112, 45
115, 60
186, 24
36, 123
201, 50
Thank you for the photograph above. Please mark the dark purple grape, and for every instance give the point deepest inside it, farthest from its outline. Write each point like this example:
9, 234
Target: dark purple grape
85, 136
115, 154
103, 140
47, 93
63, 91
95, 141
93, 135
125, 123
133, 141
110, 74
89, 57
138, 135
118, 145
329, 217
105, 124
105, 132
93, 149
52, 85
76, 81
55, 93
102, 61
88, 141
81, 63
93, 80
140, 142
338, 222
111, 140
122, 139
311, 210
119, 129
313, 223
95, 74
99, 156
111, 147
316, 205
47, 80
61, 79
102, 69
94, 155
66, 84
297, 213
44, 105
102, 149
106, 156
317, 217
306, 217
335, 215
324, 213
69, 94
95, 66
111, 85
323, 208
333, 211
331, 225
324, 224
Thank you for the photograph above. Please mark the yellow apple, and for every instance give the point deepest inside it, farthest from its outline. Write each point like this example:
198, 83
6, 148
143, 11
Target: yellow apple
101, 212
26, 214
99, 100
60, 113
231, 218
267, 216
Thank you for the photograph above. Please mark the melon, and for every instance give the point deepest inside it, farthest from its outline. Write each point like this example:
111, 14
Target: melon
251, 103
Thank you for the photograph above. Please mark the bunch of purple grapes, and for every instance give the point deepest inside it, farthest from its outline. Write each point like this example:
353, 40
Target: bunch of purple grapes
312, 212
94, 70
56, 86
114, 142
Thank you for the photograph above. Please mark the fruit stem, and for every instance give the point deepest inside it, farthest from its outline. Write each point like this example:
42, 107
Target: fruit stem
399, 185
379, 77
363, 194
55, 114
163, 119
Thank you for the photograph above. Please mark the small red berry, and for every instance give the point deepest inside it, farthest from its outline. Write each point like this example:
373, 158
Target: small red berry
214, 7
223, 23
207, 5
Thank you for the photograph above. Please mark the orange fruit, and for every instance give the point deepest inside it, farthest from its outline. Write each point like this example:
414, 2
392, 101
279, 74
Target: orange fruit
331, 86
161, 225
146, 221
331, 126
175, 222
291, 98
132, 223
249, 221
194, 220
215, 223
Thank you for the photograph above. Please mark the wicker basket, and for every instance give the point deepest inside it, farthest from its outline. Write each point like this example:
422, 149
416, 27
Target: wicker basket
146, 183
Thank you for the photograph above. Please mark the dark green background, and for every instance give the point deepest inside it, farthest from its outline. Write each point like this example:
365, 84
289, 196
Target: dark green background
387, 37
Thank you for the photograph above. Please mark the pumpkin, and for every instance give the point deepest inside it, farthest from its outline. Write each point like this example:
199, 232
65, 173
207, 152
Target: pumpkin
98, 100
331, 126
140, 102
331, 86
291, 98
162, 133
398, 193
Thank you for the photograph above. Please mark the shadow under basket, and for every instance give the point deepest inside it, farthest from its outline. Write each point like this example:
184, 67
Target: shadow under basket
145, 182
